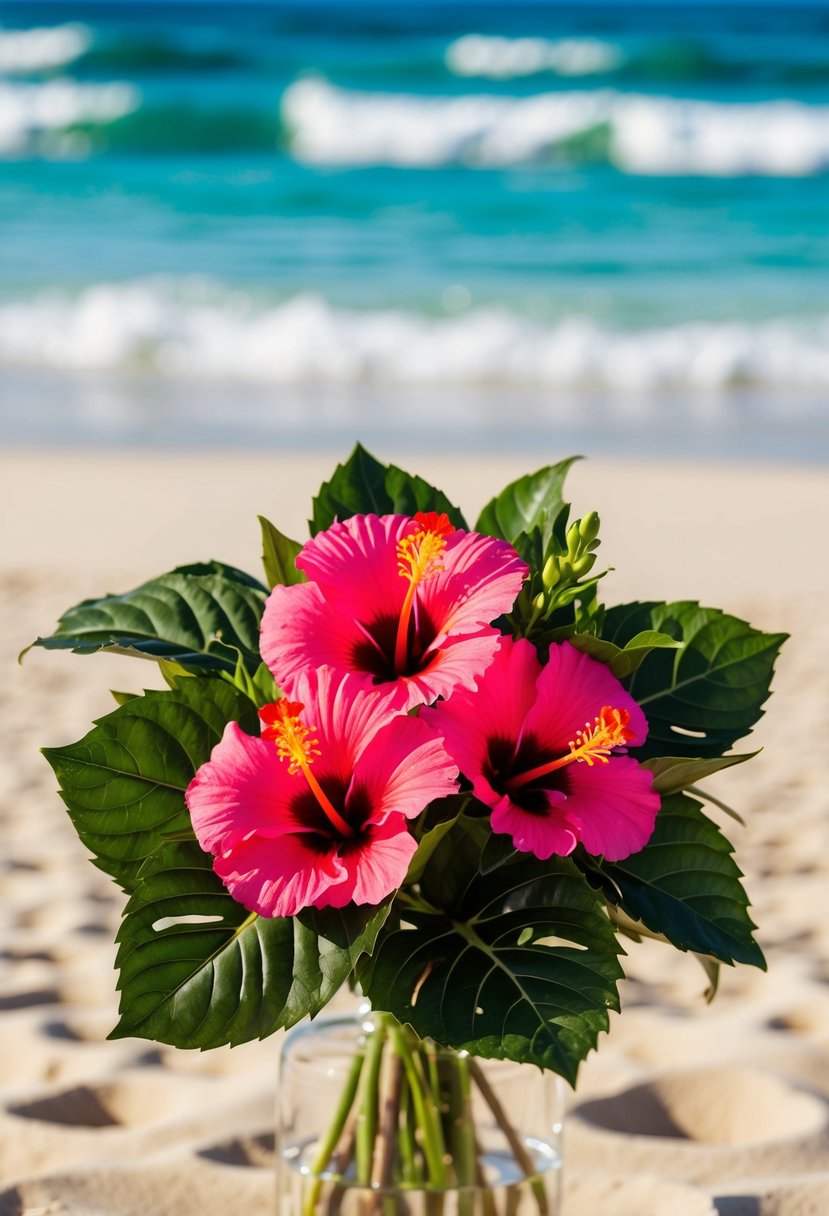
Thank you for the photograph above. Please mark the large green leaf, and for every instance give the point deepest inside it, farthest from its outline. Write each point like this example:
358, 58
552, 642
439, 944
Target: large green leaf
702, 697
279, 554
124, 782
623, 660
532, 502
365, 486
200, 616
198, 970
674, 773
519, 964
686, 885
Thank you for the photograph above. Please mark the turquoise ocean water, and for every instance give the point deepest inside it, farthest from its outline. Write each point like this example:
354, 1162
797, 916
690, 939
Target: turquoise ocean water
436, 222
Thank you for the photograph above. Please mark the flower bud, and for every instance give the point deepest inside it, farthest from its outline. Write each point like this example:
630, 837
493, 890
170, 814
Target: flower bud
551, 574
589, 527
584, 564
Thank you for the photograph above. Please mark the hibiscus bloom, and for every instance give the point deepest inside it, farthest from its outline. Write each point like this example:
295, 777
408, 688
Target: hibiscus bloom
402, 604
314, 812
544, 748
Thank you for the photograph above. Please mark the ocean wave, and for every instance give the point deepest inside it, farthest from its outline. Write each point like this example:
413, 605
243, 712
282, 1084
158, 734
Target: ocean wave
196, 329
640, 134
38, 50
505, 58
33, 116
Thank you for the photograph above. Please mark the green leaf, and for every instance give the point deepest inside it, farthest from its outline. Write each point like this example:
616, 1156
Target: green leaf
352, 929
198, 970
409, 494
517, 964
686, 885
260, 687
702, 697
124, 782
674, 773
279, 554
364, 486
121, 698
199, 616
623, 660
429, 841
532, 502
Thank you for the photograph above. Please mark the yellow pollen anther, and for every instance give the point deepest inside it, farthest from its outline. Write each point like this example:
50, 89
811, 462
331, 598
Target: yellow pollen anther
593, 744
609, 729
418, 557
296, 744
293, 739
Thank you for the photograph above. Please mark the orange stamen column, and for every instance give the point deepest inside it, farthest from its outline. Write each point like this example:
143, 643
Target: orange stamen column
590, 746
295, 744
418, 558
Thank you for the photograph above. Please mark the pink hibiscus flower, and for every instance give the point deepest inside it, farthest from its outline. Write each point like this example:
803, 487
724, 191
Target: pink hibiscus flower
543, 747
314, 812
404, 605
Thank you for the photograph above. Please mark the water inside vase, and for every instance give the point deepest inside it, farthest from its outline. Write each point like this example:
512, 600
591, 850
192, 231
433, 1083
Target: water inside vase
504, 1190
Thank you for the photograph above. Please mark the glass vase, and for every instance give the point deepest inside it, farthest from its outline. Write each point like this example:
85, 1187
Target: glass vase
373, 1121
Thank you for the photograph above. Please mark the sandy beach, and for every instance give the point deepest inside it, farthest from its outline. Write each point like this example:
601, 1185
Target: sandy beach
685, 1110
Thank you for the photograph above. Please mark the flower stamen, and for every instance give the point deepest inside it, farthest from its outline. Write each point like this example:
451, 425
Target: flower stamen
295, 743
592, 745
418, 558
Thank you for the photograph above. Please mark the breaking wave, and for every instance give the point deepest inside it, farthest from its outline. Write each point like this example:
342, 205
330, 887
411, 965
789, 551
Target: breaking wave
637, 133
39, 117
38, 50
199, 330
505, 58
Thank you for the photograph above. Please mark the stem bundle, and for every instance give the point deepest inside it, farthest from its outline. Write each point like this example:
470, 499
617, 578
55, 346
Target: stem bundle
405, 1121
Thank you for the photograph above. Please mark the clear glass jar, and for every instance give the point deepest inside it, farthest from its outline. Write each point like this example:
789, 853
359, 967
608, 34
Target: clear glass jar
372, 1121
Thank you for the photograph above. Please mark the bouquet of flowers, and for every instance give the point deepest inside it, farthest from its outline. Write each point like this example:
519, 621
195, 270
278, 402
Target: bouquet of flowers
419, 758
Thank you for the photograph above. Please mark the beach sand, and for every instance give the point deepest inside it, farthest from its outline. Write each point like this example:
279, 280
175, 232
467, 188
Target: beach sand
685, 1110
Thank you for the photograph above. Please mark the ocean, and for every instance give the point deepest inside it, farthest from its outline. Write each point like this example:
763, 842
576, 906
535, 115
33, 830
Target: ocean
468, 225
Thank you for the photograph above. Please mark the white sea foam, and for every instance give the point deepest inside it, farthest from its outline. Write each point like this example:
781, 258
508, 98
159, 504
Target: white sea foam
647, 135
27, 111
504, 58
37, 50
194, 329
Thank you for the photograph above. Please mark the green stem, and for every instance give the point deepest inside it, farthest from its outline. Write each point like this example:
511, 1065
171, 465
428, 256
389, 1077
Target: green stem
428, 1118
407, 1141
463, 1134
367, 1114
329, 1143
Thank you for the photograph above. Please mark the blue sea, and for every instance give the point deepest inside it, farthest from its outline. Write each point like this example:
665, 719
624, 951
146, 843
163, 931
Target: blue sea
522, 224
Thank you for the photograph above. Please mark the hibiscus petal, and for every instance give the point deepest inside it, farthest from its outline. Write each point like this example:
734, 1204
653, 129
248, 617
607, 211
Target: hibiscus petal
242, 788
375, 867
459, 663
301, 632
279, 877
480, 579
405, 768
572, 689
345, 716
616, 805
471, 720
354, 563
542, 833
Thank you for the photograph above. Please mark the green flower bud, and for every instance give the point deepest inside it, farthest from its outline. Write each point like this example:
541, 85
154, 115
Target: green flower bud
551, 574
589, 526
573, 539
